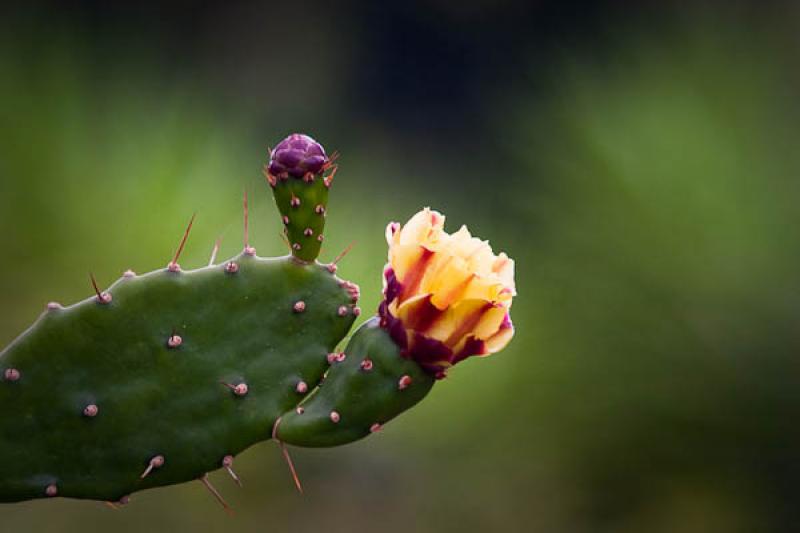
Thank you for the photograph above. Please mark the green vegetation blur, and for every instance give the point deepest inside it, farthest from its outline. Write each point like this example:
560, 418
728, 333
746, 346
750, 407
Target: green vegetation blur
646, 187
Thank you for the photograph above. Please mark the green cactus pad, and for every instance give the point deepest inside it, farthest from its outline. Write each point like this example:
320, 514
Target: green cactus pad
303, 204
369, 387
92, 392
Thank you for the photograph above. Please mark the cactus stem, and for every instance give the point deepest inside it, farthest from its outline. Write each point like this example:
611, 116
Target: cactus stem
155, 462
54, 306
366, 365
90, 411
335, 417
239, 390
404, 382
174, 340
207, 484
12, 374
173, 265
51, 490
286, 455
215, 251
232, 267
102, 297
227, 464
302, 387
299, 306
374, 428
128, 274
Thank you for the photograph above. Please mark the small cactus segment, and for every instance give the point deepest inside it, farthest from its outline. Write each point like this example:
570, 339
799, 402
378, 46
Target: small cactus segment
99, 399
296, 174
356, 399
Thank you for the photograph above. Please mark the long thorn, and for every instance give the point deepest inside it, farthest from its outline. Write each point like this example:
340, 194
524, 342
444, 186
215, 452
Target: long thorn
234, 476
178, 252
112, 505
291, 467
214, 252
246, 222
286, 456
344, 253
204, 480
96, 288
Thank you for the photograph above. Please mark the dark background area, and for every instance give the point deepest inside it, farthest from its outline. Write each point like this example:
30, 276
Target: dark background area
638, 160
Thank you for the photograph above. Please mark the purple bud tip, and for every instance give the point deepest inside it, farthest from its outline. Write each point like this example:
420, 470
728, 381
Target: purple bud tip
296, 156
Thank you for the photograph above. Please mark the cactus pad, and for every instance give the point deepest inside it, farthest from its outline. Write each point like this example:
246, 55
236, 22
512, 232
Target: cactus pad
368, 384
156, 368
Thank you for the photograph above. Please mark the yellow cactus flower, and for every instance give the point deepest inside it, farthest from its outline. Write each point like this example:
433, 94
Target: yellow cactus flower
446, 297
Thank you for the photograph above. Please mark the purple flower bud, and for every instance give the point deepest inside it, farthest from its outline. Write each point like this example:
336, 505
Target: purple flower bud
297, 155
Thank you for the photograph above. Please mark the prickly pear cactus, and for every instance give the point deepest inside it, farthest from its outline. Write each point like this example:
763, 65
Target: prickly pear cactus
166, 376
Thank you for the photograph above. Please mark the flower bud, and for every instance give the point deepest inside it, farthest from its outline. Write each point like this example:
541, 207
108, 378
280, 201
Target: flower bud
297, 155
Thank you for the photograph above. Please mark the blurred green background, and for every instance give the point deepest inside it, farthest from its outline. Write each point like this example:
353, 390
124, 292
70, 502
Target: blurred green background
640, 164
